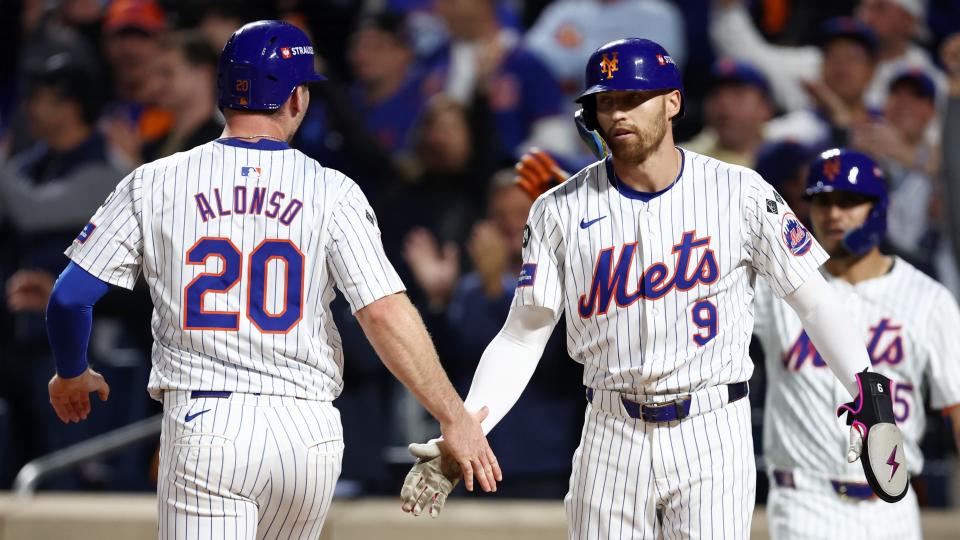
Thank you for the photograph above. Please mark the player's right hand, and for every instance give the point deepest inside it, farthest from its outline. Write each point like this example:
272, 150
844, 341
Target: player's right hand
71, 397
464, 441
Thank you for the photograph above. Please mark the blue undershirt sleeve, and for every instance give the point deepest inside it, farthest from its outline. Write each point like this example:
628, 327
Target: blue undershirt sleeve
70, 318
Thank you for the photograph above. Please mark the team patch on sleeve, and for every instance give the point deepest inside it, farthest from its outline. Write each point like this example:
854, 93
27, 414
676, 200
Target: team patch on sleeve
85, 233
796, 237
528, 274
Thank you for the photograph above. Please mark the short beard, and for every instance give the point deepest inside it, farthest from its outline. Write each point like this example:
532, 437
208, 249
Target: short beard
636, 152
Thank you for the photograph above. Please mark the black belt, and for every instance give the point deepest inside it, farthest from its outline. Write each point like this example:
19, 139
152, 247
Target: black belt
853, 490
671, 411
209, 393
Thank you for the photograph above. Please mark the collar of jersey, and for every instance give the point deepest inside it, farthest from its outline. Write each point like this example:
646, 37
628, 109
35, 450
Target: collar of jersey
645, 196
262, 144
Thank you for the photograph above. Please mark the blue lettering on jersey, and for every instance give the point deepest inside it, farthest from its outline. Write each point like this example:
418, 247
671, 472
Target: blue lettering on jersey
528, 274
248, 202
610, 281
803, 349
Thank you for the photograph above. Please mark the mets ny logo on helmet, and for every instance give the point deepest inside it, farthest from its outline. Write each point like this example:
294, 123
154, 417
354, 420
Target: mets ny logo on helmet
608, 67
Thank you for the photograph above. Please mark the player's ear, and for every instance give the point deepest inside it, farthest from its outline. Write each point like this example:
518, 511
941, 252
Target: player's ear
299, 101
673, 100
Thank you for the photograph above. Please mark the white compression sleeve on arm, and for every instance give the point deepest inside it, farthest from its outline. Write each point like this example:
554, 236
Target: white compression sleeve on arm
509, 361
829, 326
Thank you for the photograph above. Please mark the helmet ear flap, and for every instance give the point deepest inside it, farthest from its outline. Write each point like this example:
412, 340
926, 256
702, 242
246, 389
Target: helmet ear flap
590, 114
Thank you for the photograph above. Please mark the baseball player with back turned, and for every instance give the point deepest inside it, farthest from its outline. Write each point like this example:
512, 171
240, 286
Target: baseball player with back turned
909, 323
241, 241
653, 254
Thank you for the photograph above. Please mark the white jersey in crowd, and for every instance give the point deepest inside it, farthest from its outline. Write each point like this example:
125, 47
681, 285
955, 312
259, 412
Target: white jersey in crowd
241, 245
658, 293
909, 324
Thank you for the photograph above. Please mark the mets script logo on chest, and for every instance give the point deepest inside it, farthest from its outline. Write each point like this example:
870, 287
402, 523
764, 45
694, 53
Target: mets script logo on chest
884, 346
696, 263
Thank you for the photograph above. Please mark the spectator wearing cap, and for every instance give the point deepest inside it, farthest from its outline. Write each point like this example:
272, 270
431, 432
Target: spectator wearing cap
736, 108
783, 164
849, 53
568, 31
47, 193
388, 93
897, 142
187, 82
132, 31
894, 23
487, 68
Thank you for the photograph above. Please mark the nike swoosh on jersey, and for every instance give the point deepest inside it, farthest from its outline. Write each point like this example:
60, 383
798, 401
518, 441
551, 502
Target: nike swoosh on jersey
584, 223
190, 417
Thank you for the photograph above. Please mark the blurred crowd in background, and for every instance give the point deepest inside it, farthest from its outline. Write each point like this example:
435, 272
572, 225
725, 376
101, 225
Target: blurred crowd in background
429, 105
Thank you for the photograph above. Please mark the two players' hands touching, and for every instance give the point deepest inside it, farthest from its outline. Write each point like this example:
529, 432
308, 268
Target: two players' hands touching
464, 441
71, 397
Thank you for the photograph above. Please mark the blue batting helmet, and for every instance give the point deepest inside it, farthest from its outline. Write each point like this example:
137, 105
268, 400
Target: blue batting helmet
851, 171
261, 64
628, 64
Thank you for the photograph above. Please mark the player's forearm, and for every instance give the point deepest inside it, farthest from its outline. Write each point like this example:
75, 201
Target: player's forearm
70, 317
831, 330
400, 339
508, 362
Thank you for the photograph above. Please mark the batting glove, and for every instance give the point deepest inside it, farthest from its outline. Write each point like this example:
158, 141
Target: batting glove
430, 480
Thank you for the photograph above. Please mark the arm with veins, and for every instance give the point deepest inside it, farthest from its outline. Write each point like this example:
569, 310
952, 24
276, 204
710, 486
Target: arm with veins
509, 361
830, 327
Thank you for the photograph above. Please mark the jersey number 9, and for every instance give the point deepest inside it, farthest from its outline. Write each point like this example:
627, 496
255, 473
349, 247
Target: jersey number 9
196, 317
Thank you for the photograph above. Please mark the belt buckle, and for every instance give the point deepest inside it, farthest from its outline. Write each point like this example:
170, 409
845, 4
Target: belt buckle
677, 405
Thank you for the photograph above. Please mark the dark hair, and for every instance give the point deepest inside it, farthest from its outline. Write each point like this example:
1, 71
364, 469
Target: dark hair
72, 80
194, 48
391, 22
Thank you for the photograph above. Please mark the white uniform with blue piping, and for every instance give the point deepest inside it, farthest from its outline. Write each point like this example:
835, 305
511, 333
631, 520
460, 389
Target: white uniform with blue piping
241, 245
658, 295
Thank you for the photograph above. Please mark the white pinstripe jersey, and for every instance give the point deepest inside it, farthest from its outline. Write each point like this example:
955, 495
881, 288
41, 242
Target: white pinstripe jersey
909, 324
658, 294
241, 245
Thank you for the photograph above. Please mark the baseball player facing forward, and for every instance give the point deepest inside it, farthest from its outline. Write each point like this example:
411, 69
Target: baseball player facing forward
653, 255
241, 241
909, 323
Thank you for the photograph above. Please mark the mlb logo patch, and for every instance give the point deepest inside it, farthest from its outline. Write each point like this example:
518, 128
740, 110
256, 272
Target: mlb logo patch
285, 52
85, 233
250, 172
528, 274
795, 235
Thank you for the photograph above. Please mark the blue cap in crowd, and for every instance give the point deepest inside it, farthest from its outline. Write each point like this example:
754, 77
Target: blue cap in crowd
728, 71
849, 28
779, 161
919, 80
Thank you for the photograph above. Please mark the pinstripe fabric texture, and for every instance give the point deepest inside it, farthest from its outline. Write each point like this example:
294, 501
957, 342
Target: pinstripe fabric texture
241, 245
658, 298
908, 323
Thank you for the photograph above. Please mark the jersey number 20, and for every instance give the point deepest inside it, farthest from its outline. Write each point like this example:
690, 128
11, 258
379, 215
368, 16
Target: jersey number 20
195, 317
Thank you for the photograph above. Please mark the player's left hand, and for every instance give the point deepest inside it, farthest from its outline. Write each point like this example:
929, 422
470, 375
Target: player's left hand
71, 397
430, 480
875, 438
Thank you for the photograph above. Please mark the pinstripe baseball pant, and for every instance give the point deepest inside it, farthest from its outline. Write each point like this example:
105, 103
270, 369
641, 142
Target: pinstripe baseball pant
246, 466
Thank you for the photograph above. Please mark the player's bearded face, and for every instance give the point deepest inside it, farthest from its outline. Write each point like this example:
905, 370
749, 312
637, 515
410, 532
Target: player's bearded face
633, 123
834, 214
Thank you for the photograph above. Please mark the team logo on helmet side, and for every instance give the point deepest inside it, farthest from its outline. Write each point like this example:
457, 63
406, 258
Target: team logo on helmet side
831, 168
609, 66
795, 235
